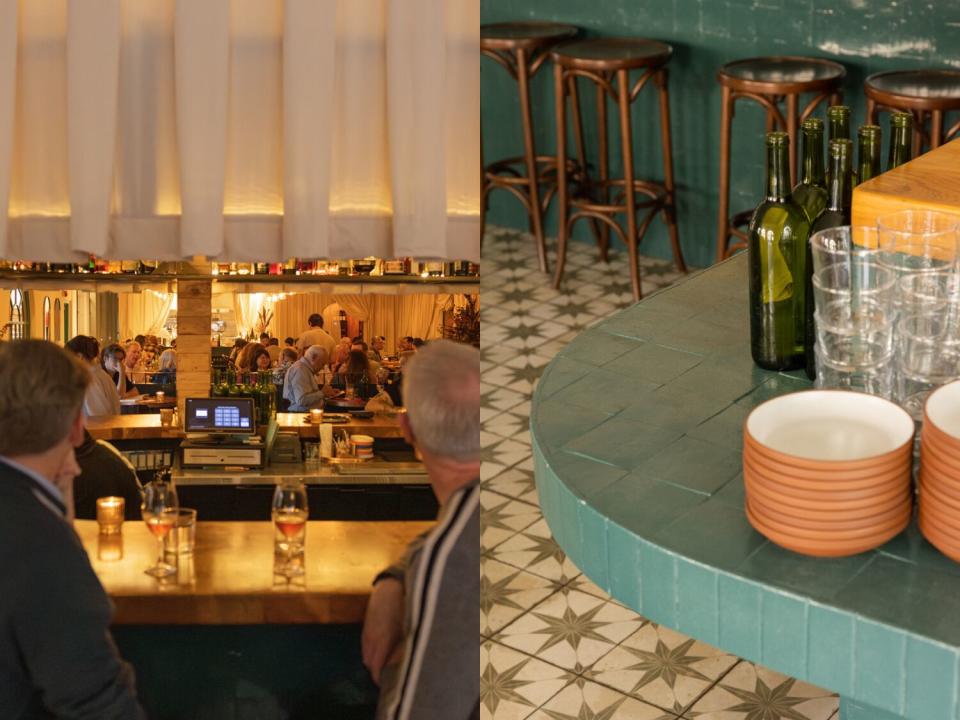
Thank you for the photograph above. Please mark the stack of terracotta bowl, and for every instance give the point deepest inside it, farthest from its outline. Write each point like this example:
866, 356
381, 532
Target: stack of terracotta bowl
827, 472
939, 496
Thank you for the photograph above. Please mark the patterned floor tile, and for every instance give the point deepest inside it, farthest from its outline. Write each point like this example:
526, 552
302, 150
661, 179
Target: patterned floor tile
584, 584
662, 667
512, 685
501, 517
571, 629
584, 700
505, 453
535, 551
751, 691
515, 483
506, 593
506, 424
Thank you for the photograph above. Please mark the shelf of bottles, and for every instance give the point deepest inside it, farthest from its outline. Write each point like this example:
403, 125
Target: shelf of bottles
258, 386
402, 269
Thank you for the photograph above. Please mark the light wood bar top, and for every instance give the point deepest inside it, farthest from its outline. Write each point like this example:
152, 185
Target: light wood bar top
930, 182
229, 579
142, 427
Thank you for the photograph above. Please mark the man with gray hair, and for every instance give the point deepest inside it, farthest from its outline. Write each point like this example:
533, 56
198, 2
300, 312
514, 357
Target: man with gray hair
300, 385
413, 635
57, 658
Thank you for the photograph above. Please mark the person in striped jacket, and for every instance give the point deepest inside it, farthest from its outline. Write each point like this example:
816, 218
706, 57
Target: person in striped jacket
418, 635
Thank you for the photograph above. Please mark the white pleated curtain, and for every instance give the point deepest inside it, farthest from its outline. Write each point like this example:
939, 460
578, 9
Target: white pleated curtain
239, 129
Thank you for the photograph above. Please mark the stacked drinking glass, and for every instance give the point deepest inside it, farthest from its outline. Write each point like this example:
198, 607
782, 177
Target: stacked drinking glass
888, 306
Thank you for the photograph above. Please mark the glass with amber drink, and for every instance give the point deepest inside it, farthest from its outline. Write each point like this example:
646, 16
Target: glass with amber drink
290, 513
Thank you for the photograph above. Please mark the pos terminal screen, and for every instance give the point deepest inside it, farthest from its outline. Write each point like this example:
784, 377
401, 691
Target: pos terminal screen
233, 416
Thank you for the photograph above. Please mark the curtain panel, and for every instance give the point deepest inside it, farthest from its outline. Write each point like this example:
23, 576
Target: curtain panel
239, 130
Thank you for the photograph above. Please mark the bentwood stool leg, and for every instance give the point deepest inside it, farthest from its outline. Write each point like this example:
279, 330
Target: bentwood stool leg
562, 200
792, 134
918, 120
604, 165
626, 144
577, 119
670, 208
723, 221
530, 155
936, 128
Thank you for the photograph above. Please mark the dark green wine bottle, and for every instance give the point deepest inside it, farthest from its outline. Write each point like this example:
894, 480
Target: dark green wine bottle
836, 213
869, 141
811, 192
778, 258
839, 118
901, 139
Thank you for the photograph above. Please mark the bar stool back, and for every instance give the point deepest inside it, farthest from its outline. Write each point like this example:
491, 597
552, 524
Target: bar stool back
925, 93
768, 81
521, 48
607, 64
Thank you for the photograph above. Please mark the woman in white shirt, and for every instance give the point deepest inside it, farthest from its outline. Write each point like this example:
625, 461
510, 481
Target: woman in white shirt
101, 397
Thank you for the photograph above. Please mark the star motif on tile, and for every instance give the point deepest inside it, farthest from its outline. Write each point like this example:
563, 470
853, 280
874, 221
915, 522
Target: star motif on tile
573, 309
497, 593
523, 332
511, 263
518, 295
545, 548
766, 703
496, 687
619, 287
588, 713
494, 517
571, 628
665, 663
527, 373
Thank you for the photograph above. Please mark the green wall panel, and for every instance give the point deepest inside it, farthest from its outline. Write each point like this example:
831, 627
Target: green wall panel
867, 36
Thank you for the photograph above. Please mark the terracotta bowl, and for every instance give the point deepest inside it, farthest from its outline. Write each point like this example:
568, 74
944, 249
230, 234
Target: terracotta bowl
942, 413
825, 478
945, 473
897, 455
948, 547
819, 548
899, 519
929, 447
790, 517
932, 496
942, 484
884, 478
940, 523
847, 502
830, 429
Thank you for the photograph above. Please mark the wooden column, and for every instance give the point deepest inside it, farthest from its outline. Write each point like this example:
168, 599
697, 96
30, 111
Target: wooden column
193, 340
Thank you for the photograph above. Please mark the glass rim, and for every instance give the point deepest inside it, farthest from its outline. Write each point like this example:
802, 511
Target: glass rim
886, 223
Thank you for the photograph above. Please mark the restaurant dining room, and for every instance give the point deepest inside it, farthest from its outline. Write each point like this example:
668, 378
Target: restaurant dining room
239, 359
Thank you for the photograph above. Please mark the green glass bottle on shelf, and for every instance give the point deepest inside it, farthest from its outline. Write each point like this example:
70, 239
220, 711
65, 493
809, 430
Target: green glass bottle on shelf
811, 192
838, 117
869, 141
836, 213
901, 139
778, 257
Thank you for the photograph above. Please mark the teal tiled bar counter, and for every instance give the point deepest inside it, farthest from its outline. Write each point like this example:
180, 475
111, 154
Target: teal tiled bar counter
637, 431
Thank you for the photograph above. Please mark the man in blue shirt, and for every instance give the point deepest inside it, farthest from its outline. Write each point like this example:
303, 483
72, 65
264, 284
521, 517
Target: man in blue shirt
300, 384
57, 657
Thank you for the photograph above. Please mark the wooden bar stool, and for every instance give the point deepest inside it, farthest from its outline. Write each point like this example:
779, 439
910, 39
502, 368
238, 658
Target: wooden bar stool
607, 63
928, 94
522, 48
768, 81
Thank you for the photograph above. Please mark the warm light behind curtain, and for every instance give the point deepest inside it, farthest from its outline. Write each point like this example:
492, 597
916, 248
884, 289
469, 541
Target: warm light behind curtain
143, 313
392, 316
239, 129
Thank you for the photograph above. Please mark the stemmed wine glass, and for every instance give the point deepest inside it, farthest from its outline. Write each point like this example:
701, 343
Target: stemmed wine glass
290, 513
160, 508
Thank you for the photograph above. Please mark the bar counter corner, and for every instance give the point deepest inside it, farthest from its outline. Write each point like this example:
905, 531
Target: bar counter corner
636, 429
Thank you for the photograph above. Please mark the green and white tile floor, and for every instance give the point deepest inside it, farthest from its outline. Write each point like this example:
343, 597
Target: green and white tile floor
553, 646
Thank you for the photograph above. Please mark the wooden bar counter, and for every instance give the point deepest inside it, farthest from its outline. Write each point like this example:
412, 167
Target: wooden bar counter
147, 427
930, 182
229, 579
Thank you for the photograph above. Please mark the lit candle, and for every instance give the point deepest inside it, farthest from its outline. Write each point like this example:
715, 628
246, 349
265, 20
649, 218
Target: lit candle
110, 514
110, 548
160, 396
316, 416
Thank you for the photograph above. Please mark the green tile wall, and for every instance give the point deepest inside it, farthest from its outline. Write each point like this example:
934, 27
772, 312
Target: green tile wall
865, 35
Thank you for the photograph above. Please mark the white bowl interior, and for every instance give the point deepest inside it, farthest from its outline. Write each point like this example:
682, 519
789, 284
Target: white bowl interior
943, 408
831, 425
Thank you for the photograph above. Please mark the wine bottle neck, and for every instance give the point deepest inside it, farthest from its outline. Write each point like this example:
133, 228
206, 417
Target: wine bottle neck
813, 157
778, 172
841, 189
868, 154
900, 146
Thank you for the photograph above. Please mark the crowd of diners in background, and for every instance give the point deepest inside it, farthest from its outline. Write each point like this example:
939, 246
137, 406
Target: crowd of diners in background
352, 365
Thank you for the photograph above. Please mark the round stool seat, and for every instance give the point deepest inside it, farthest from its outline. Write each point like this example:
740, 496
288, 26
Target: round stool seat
612, 54
917, 89
786, 75
524, 35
